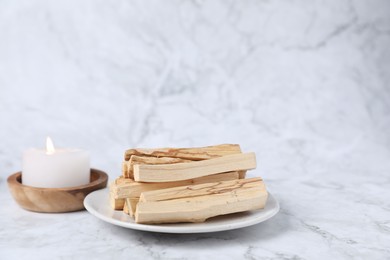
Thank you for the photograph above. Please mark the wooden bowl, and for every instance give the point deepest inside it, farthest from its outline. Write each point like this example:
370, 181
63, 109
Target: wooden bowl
54, 200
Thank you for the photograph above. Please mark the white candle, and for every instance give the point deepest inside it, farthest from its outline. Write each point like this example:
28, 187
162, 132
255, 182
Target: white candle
55, 168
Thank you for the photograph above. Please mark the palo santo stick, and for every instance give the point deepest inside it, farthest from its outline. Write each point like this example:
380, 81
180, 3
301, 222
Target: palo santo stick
126, 208
201, 189
200, 153
191, 170
121, 180
116, 204
241, 174
127, 169
130, 205
134, 189
200, 208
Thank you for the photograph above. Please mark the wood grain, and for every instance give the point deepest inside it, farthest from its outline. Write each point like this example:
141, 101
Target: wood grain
200, 208
54, 200
196, 169
198, 153
134, 189
127, 170
202, 189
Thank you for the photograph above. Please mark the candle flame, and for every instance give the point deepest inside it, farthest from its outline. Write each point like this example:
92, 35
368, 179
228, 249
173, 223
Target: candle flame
49, 146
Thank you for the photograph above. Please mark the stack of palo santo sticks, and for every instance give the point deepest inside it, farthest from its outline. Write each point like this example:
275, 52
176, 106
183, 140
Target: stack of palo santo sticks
168, 185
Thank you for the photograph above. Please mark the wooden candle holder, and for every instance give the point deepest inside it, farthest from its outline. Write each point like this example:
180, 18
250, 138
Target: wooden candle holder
54, 200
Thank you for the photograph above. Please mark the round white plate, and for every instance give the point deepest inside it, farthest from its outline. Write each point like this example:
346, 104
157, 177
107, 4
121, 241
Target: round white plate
97, 203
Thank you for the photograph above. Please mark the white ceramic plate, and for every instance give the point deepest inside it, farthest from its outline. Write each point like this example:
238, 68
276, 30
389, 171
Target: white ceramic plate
97, 203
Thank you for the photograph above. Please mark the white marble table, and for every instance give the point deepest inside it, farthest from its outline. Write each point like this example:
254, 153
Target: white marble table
304, 84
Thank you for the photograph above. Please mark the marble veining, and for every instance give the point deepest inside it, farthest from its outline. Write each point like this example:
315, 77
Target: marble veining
304, 84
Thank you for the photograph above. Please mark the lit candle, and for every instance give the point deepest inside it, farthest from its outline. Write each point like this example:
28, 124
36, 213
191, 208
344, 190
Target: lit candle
55, 168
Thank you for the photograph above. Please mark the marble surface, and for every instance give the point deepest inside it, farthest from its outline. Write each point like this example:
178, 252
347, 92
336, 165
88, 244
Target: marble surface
304, 84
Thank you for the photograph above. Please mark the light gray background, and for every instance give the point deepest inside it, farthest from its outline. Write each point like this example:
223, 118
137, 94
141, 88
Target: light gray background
304, 84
